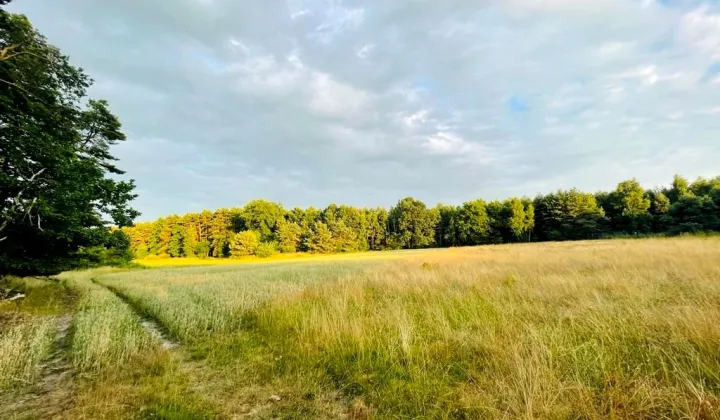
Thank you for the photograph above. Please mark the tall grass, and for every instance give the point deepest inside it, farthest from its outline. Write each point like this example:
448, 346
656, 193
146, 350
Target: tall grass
165, 262
105, 331
22, 349
624, 329
198, 302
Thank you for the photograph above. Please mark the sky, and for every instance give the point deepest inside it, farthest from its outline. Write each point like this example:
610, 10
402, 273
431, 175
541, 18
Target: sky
312, 102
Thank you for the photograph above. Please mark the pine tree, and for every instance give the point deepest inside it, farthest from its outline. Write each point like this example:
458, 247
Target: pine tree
321, 240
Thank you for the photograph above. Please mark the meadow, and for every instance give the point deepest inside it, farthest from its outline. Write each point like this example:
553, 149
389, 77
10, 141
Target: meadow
601, 329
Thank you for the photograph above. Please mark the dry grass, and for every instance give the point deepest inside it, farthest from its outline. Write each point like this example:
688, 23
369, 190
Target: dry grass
27, 328
608, 329
157, 262
624, 329
22, 349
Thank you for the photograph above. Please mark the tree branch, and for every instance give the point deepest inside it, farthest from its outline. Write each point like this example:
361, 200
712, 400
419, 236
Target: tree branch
17, 201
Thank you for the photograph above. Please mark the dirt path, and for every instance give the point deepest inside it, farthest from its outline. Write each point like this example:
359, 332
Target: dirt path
50, 395
156, 332
152, 326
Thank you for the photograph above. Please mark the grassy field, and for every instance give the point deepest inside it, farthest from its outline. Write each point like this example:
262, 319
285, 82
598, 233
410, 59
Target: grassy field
606, 329
157, 262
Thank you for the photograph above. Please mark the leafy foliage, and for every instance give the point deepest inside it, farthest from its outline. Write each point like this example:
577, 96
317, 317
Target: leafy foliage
245, 243
59, 191
558, 216
412, 224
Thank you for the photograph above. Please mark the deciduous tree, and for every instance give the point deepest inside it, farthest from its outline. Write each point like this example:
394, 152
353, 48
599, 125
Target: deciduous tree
412, 224
59, 187
245, 243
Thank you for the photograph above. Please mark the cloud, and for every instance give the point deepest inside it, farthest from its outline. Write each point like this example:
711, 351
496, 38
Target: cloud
465, 152
365, 50
701, 29
332, 98
309, 102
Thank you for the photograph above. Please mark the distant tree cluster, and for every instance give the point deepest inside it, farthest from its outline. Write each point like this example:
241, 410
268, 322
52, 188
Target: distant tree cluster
263, 228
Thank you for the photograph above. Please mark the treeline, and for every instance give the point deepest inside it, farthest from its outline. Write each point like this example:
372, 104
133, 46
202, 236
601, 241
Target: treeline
263, 228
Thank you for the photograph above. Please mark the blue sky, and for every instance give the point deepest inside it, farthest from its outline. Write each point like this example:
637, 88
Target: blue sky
309, 102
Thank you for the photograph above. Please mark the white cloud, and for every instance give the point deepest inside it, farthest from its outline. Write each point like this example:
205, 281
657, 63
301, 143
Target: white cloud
332, 98
463, 151
574, 6
447, 144
701, 29
648, 75
610, 50
298, 14
400, 94
416, 119
263, 74
364, 51
613, 93
711, 111
338, 20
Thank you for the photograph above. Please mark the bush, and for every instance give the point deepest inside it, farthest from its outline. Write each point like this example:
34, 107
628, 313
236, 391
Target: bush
287, 248
201, 249
266, 250
245, 243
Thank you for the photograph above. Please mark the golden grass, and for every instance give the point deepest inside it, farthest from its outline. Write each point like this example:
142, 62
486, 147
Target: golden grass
624, 329
607, 329
155, 262
22, 349
27, 329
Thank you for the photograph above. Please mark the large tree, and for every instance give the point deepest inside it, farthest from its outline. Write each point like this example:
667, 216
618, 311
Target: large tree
473, 224
568, 215
628, 208
412, 225
264, 217
693, 214
59, 187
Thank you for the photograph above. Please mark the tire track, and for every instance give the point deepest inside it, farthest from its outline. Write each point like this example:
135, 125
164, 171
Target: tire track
153, 327
52, 391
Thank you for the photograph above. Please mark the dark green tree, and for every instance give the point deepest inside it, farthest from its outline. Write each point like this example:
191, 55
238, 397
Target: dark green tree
376, 232
59, 192
446, 233
659, 207
473, 223
264, 217
412, 224
176, 245
498, 228
220, 233
692, 214
568, 215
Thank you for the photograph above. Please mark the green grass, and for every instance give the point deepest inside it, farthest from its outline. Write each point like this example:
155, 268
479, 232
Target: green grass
606, 329
207, 301
105, 330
